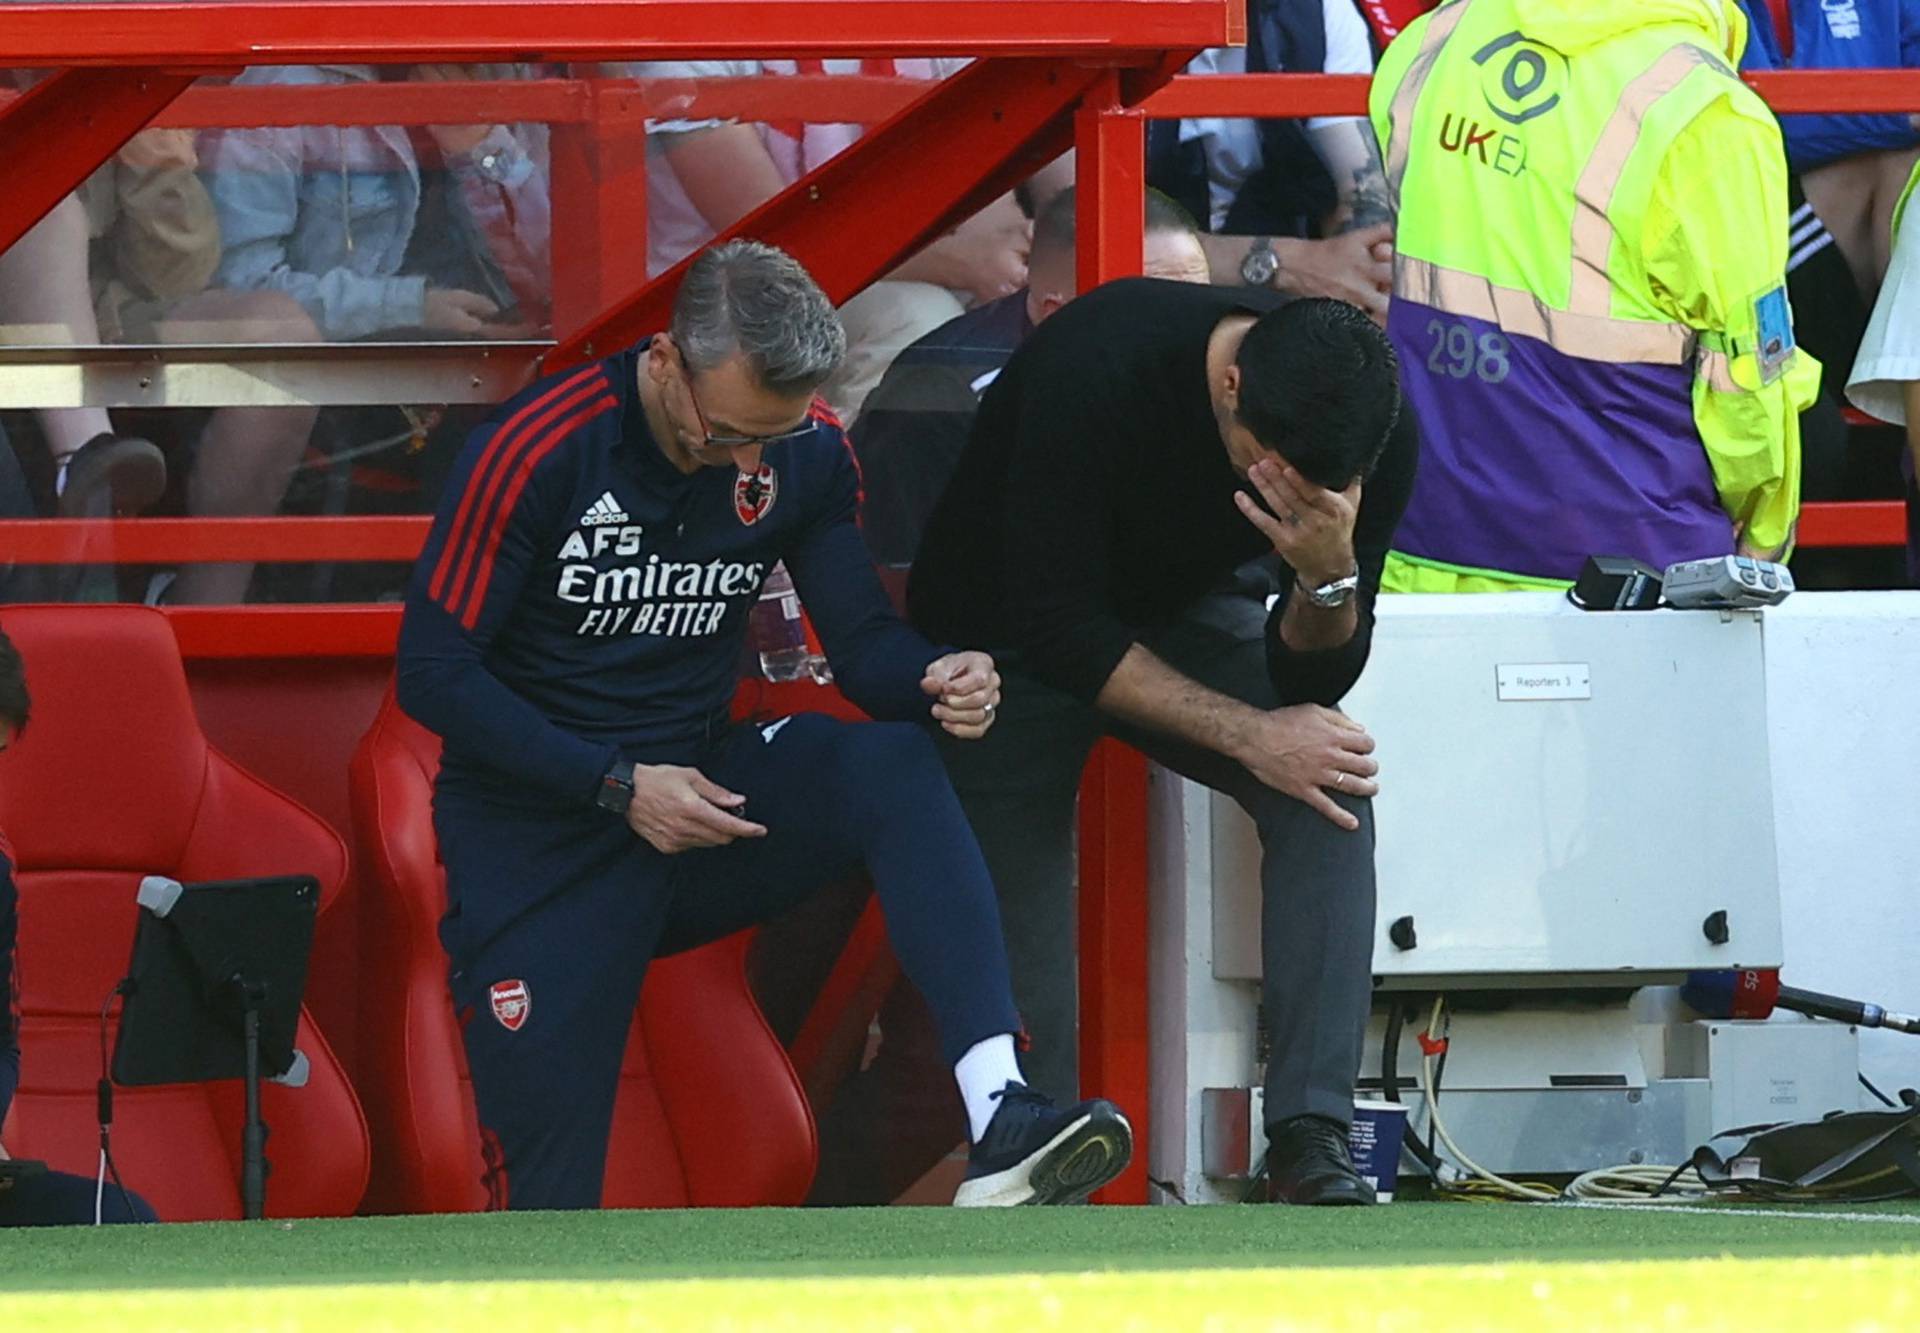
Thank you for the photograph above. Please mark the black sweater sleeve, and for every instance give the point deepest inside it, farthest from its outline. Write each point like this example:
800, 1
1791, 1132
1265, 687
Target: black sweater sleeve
1325, 676
1059, 536
878, 661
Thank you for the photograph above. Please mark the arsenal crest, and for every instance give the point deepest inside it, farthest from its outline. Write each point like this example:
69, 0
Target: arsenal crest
512, 1002
753, 494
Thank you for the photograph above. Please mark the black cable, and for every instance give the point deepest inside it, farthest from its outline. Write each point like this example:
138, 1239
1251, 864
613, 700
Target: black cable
1671, 1177
1885, 1100
103, 1104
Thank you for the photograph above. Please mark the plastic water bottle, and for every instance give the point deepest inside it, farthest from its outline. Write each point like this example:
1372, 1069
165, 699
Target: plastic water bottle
780, 633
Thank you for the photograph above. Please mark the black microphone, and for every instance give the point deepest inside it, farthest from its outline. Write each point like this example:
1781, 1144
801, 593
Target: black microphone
1859, 1012
1757, 992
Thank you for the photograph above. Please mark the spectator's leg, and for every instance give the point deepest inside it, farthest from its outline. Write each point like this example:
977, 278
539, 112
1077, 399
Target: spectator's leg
1018, 785
44, 287
247, 454
1842, 193
59, 1199
881, 322
1317, 880
833, 796
559, 914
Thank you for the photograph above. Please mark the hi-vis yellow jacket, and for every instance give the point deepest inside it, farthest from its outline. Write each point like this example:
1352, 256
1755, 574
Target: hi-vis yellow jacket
1589, 292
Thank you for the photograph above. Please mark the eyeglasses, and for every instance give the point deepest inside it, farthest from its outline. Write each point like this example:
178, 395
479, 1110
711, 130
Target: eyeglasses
713, 441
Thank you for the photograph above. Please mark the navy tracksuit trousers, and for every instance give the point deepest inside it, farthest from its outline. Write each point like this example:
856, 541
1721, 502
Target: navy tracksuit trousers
554, 916
61, 1199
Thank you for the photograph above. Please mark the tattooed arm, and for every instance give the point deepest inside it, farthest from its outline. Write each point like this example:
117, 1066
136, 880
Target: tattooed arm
1352, 158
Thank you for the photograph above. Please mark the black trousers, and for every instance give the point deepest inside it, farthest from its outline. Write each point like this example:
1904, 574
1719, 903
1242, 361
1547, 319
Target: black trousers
1018, 787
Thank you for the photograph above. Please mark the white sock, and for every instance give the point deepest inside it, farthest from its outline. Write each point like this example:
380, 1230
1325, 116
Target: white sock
986, 1068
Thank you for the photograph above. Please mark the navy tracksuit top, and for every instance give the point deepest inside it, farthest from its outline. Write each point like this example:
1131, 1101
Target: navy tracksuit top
581, 599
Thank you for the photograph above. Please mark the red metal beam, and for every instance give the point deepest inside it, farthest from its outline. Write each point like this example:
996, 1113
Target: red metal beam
1276, 95
1110, 169
64, 127
1853, 523
600, 173
1114, 1054
287, 32
152, 541
1854, 91
547, 101
848, 99
399, 537
969, 140
1110, 177
1272, 95
854, 99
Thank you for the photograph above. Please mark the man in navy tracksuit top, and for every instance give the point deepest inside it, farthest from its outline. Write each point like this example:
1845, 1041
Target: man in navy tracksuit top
573, 633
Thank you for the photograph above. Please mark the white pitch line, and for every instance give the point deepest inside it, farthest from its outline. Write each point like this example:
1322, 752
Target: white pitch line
1739, 1210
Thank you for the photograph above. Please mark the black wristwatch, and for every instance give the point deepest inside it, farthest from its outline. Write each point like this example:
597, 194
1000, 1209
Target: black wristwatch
1261, 263
616, 788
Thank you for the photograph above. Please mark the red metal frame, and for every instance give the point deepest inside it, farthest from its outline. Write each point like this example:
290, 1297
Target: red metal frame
66, 125
859, 99
969, 140
1855, 92
292, 32
395, 537
1110, 171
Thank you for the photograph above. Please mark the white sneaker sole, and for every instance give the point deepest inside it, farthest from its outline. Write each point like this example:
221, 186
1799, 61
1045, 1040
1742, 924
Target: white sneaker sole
1067, 1168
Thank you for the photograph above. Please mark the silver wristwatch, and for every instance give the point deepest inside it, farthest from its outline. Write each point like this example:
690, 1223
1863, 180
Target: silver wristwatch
1329, 595
1260, 265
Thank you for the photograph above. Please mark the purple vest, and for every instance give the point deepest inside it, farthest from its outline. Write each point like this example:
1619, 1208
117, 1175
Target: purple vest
1532, 459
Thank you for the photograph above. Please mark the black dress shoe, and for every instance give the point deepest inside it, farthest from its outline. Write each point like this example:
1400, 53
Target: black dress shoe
1308, 1163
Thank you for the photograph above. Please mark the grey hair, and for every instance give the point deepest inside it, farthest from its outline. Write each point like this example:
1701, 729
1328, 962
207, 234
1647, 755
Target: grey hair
750, 298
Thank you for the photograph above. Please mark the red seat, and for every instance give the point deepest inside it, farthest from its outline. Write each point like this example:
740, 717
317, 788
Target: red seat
113, 780
709, 1111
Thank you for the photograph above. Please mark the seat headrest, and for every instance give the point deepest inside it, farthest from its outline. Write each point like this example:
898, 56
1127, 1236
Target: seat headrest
111, 768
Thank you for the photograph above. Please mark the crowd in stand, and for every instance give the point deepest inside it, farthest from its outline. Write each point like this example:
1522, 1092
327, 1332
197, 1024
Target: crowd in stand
328, 234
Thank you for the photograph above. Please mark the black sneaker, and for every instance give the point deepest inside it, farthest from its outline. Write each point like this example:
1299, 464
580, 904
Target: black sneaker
1033, 1152
1308, 1162
112, 474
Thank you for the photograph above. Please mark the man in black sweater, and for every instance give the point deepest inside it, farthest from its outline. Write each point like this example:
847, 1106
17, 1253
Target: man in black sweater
1143, 444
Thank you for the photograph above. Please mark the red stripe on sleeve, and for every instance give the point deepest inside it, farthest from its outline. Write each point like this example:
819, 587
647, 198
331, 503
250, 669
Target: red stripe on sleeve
524, 470
825, 415
486, 513
497, 448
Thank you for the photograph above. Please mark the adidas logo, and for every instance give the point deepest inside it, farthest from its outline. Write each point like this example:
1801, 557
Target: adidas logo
604, 510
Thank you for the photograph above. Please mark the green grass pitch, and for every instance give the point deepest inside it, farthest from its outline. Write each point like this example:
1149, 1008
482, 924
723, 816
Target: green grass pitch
1407, 1266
